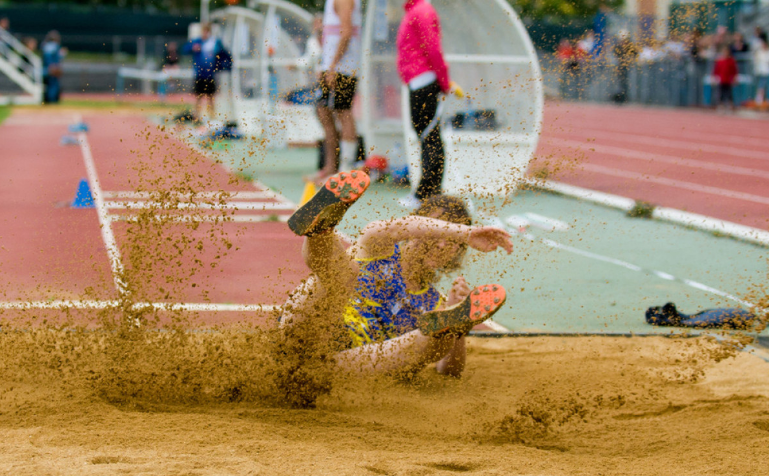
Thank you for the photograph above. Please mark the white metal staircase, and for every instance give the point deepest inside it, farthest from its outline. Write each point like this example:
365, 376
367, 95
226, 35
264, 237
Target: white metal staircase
23, 67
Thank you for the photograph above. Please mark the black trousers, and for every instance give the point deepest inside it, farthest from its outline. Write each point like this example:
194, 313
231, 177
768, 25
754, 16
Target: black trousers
424, 108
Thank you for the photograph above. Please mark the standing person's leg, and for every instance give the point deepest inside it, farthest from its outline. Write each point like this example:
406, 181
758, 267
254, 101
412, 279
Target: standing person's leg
211, 108
330, 142
56, 89
348, 146
424, 108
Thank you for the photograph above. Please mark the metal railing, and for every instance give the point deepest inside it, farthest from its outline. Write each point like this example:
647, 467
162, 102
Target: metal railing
21, 66
665, 82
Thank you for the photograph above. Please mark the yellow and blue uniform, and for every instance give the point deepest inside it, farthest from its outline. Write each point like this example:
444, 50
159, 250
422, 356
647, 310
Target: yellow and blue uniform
382, 307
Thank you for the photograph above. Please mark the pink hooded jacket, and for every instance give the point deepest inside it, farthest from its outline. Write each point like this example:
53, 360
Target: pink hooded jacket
419, 44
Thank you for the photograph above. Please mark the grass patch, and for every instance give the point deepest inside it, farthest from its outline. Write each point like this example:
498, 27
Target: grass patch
5, 111
641, 210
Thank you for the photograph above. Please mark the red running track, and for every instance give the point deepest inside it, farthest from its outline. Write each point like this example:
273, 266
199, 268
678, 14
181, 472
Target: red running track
701, 162
51, 251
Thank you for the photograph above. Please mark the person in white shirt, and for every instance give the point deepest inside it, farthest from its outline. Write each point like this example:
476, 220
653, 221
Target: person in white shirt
761, 68
340, 60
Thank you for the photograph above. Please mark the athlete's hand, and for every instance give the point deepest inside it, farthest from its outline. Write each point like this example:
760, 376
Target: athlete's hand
459, 291
489, 238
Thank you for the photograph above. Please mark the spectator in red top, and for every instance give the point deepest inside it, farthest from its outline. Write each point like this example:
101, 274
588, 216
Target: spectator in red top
421, 66
725, 70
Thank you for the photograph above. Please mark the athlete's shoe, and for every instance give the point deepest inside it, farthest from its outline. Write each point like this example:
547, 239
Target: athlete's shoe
327, 207
480, 305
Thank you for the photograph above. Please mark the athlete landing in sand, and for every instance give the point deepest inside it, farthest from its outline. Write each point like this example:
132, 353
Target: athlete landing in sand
383, 288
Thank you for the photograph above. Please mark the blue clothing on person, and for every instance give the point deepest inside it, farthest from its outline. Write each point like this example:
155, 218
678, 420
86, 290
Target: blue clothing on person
207, 60
52, 58
382, 307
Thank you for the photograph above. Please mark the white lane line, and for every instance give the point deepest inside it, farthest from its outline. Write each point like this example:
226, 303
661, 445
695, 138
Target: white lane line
633, 267
694, 146
701, 222
546, 223
588, 254
105, 225
495, 326
694, 137
243, 195
677, 183
601, 198
205, 206
208, 218
161, 306
660, 158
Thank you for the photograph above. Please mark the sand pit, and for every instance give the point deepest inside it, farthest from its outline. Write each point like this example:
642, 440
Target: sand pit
556, 405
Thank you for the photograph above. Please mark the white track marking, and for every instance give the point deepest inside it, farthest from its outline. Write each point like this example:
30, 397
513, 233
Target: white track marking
161, 306
701, 222
677, 183
113, 252
696, 137
588, 254
601, 198
546, 223
250, 195
205, 206
660, 158
496, 327
633, 267
518, 222
679, 144
210, 218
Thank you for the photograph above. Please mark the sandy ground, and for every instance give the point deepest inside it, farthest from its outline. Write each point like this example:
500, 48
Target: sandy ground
533, 406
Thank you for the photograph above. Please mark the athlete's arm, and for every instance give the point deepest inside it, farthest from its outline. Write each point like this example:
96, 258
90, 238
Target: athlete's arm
378, 238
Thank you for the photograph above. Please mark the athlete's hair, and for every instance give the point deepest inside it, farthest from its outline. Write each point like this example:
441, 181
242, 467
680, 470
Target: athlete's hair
451, 209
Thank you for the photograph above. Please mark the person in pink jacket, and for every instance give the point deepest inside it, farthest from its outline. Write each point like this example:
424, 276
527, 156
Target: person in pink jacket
421, 66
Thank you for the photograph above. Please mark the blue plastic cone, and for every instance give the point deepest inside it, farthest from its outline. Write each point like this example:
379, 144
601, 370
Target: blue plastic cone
83, 198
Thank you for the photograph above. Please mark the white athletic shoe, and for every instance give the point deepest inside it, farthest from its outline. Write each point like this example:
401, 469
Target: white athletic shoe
411, 202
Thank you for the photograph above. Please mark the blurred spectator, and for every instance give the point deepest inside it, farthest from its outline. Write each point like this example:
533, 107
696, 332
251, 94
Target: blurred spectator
761, 68
567, 56
738, 44
5, 24
626, 54
586, 46
53, 54
674, 47
755, 40
721, 38
31, 45
650, 52
171, 58
208, 57
600, 24
725, 70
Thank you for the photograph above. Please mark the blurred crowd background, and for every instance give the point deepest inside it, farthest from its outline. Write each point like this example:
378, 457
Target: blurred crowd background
660, 52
